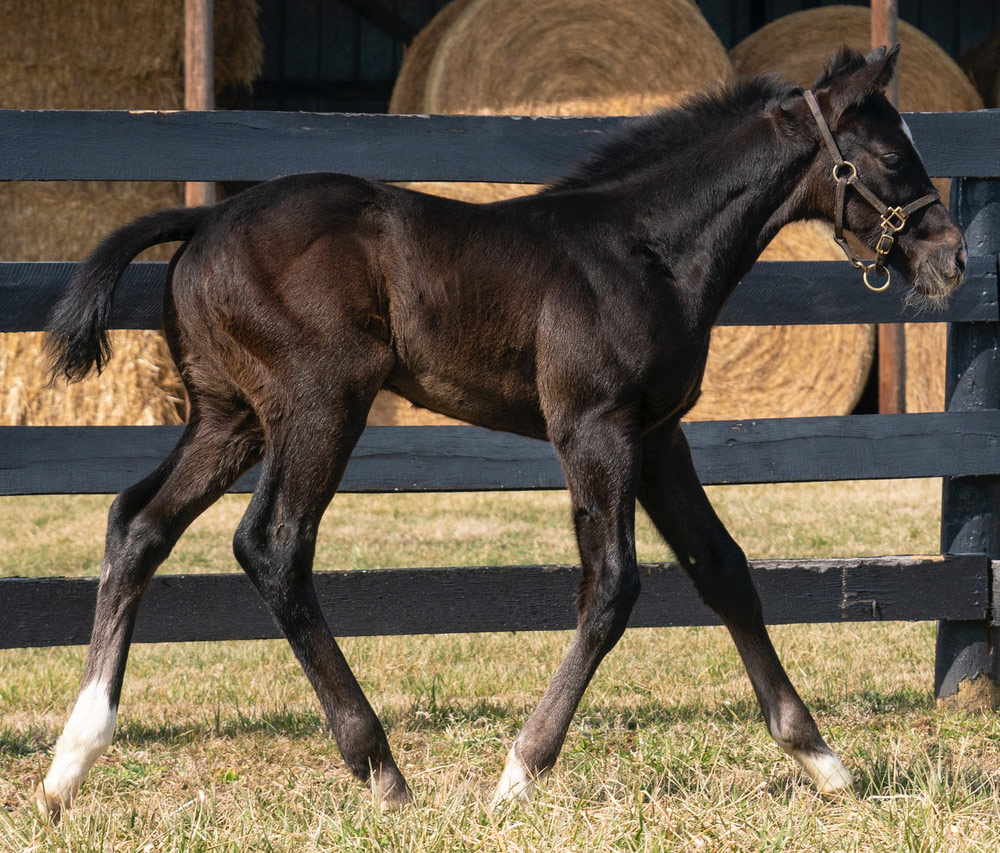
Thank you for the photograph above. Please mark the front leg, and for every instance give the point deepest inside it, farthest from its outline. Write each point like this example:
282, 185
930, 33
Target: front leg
672, 495
599, 454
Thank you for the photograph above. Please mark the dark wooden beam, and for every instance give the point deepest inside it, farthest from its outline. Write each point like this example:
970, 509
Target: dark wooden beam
775, 292
42, 145
183, 608
322, 91
385, 18
104, 460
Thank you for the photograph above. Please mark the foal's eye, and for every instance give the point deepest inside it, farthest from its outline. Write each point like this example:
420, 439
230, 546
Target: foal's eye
892, 161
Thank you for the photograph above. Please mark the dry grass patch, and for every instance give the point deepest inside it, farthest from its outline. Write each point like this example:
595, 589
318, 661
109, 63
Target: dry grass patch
221, 747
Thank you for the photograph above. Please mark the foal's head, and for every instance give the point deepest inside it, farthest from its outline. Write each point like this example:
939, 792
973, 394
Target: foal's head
872, 137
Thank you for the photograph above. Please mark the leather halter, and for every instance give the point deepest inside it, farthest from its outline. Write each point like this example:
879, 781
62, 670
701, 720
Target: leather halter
893, 218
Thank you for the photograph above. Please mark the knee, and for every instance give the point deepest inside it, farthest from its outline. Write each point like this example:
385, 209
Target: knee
605, 616
272, 553
134, 540
250, 549
721, 574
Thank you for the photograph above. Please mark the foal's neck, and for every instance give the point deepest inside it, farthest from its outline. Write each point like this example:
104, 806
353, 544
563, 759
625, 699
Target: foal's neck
715, 219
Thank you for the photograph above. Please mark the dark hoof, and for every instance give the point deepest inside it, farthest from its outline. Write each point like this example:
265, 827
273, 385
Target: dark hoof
391, 791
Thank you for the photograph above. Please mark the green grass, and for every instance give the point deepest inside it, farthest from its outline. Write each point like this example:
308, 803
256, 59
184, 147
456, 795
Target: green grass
221, 747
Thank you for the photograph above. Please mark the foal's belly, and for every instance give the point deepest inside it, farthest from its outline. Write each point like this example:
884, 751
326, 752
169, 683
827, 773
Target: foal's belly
506, 403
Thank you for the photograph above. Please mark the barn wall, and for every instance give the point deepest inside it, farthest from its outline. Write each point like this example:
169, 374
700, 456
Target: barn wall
321, 55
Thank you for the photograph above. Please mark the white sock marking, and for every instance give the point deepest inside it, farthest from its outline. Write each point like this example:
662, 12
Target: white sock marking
516, 783
826, 770
88, 733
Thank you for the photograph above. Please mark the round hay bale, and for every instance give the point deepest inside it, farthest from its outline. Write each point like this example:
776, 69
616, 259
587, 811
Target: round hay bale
572, 58
499, 55
798, 45
61, 57
982, 63
408, 90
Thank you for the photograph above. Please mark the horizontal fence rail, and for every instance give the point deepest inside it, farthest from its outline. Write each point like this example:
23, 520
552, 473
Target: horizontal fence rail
251, 146
46, 145
181, 608
104, 460
774, 292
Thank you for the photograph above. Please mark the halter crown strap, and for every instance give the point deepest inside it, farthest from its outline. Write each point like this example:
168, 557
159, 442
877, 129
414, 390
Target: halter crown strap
846, 174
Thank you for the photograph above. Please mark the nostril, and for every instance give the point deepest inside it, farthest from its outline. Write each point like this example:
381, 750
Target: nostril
961, 259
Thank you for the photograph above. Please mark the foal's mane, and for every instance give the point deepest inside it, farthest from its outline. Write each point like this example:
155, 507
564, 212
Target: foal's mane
643, 142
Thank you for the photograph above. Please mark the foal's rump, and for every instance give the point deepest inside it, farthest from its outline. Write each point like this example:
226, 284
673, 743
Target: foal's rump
279, 290
328, 279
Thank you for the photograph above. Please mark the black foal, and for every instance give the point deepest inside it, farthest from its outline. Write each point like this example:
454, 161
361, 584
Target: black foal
581, 315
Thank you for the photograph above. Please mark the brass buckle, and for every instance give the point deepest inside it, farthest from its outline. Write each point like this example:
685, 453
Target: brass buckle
884, 244
878, 270
836, 171
890, 219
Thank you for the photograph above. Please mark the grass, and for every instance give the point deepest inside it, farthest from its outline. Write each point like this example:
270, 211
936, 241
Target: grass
221, 747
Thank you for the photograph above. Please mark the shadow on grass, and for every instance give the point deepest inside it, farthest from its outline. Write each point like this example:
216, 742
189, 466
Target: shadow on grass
294, 724
22, 743
429, 712
879, 780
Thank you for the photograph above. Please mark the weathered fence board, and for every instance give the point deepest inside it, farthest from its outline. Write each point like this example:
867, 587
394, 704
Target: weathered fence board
100, 460
180, 608
45, 145
775, 292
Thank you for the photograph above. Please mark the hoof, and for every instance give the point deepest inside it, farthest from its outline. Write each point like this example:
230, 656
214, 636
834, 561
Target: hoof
827, 772
391, 791
48, 804
515, 785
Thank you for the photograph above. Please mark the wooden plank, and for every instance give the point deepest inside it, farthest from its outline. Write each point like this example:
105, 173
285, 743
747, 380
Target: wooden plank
102, 460
774, 293
42, 145
184, 608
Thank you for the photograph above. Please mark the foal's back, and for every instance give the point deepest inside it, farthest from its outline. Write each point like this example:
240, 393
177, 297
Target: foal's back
311, 276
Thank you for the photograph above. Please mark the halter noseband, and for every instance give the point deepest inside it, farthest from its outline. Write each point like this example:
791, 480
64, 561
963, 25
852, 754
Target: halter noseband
893, 218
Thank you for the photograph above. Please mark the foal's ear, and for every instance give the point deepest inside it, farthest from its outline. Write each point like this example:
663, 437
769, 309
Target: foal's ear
851, 77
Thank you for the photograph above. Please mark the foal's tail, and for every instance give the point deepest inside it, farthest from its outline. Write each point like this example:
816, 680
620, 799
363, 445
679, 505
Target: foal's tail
77, 332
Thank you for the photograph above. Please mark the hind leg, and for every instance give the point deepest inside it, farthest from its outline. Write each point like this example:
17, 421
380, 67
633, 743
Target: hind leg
672, 495
144, 523
275, 544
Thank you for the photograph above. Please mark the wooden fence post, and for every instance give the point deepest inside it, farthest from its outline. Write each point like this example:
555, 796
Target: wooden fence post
891, 337
967, 668
199, 80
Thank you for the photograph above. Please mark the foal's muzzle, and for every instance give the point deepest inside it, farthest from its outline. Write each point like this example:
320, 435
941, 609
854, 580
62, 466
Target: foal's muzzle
938, 272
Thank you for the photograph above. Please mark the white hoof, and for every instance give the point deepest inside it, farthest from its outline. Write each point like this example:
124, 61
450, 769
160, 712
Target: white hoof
826, 770
516, 783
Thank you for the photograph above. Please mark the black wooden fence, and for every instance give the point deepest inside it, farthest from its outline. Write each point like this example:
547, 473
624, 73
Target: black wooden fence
961, 445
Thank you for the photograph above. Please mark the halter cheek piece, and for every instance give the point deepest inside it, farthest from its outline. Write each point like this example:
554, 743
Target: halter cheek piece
893, 218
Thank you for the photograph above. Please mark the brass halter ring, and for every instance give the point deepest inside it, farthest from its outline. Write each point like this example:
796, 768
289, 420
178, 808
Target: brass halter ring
836, 171
879, 270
